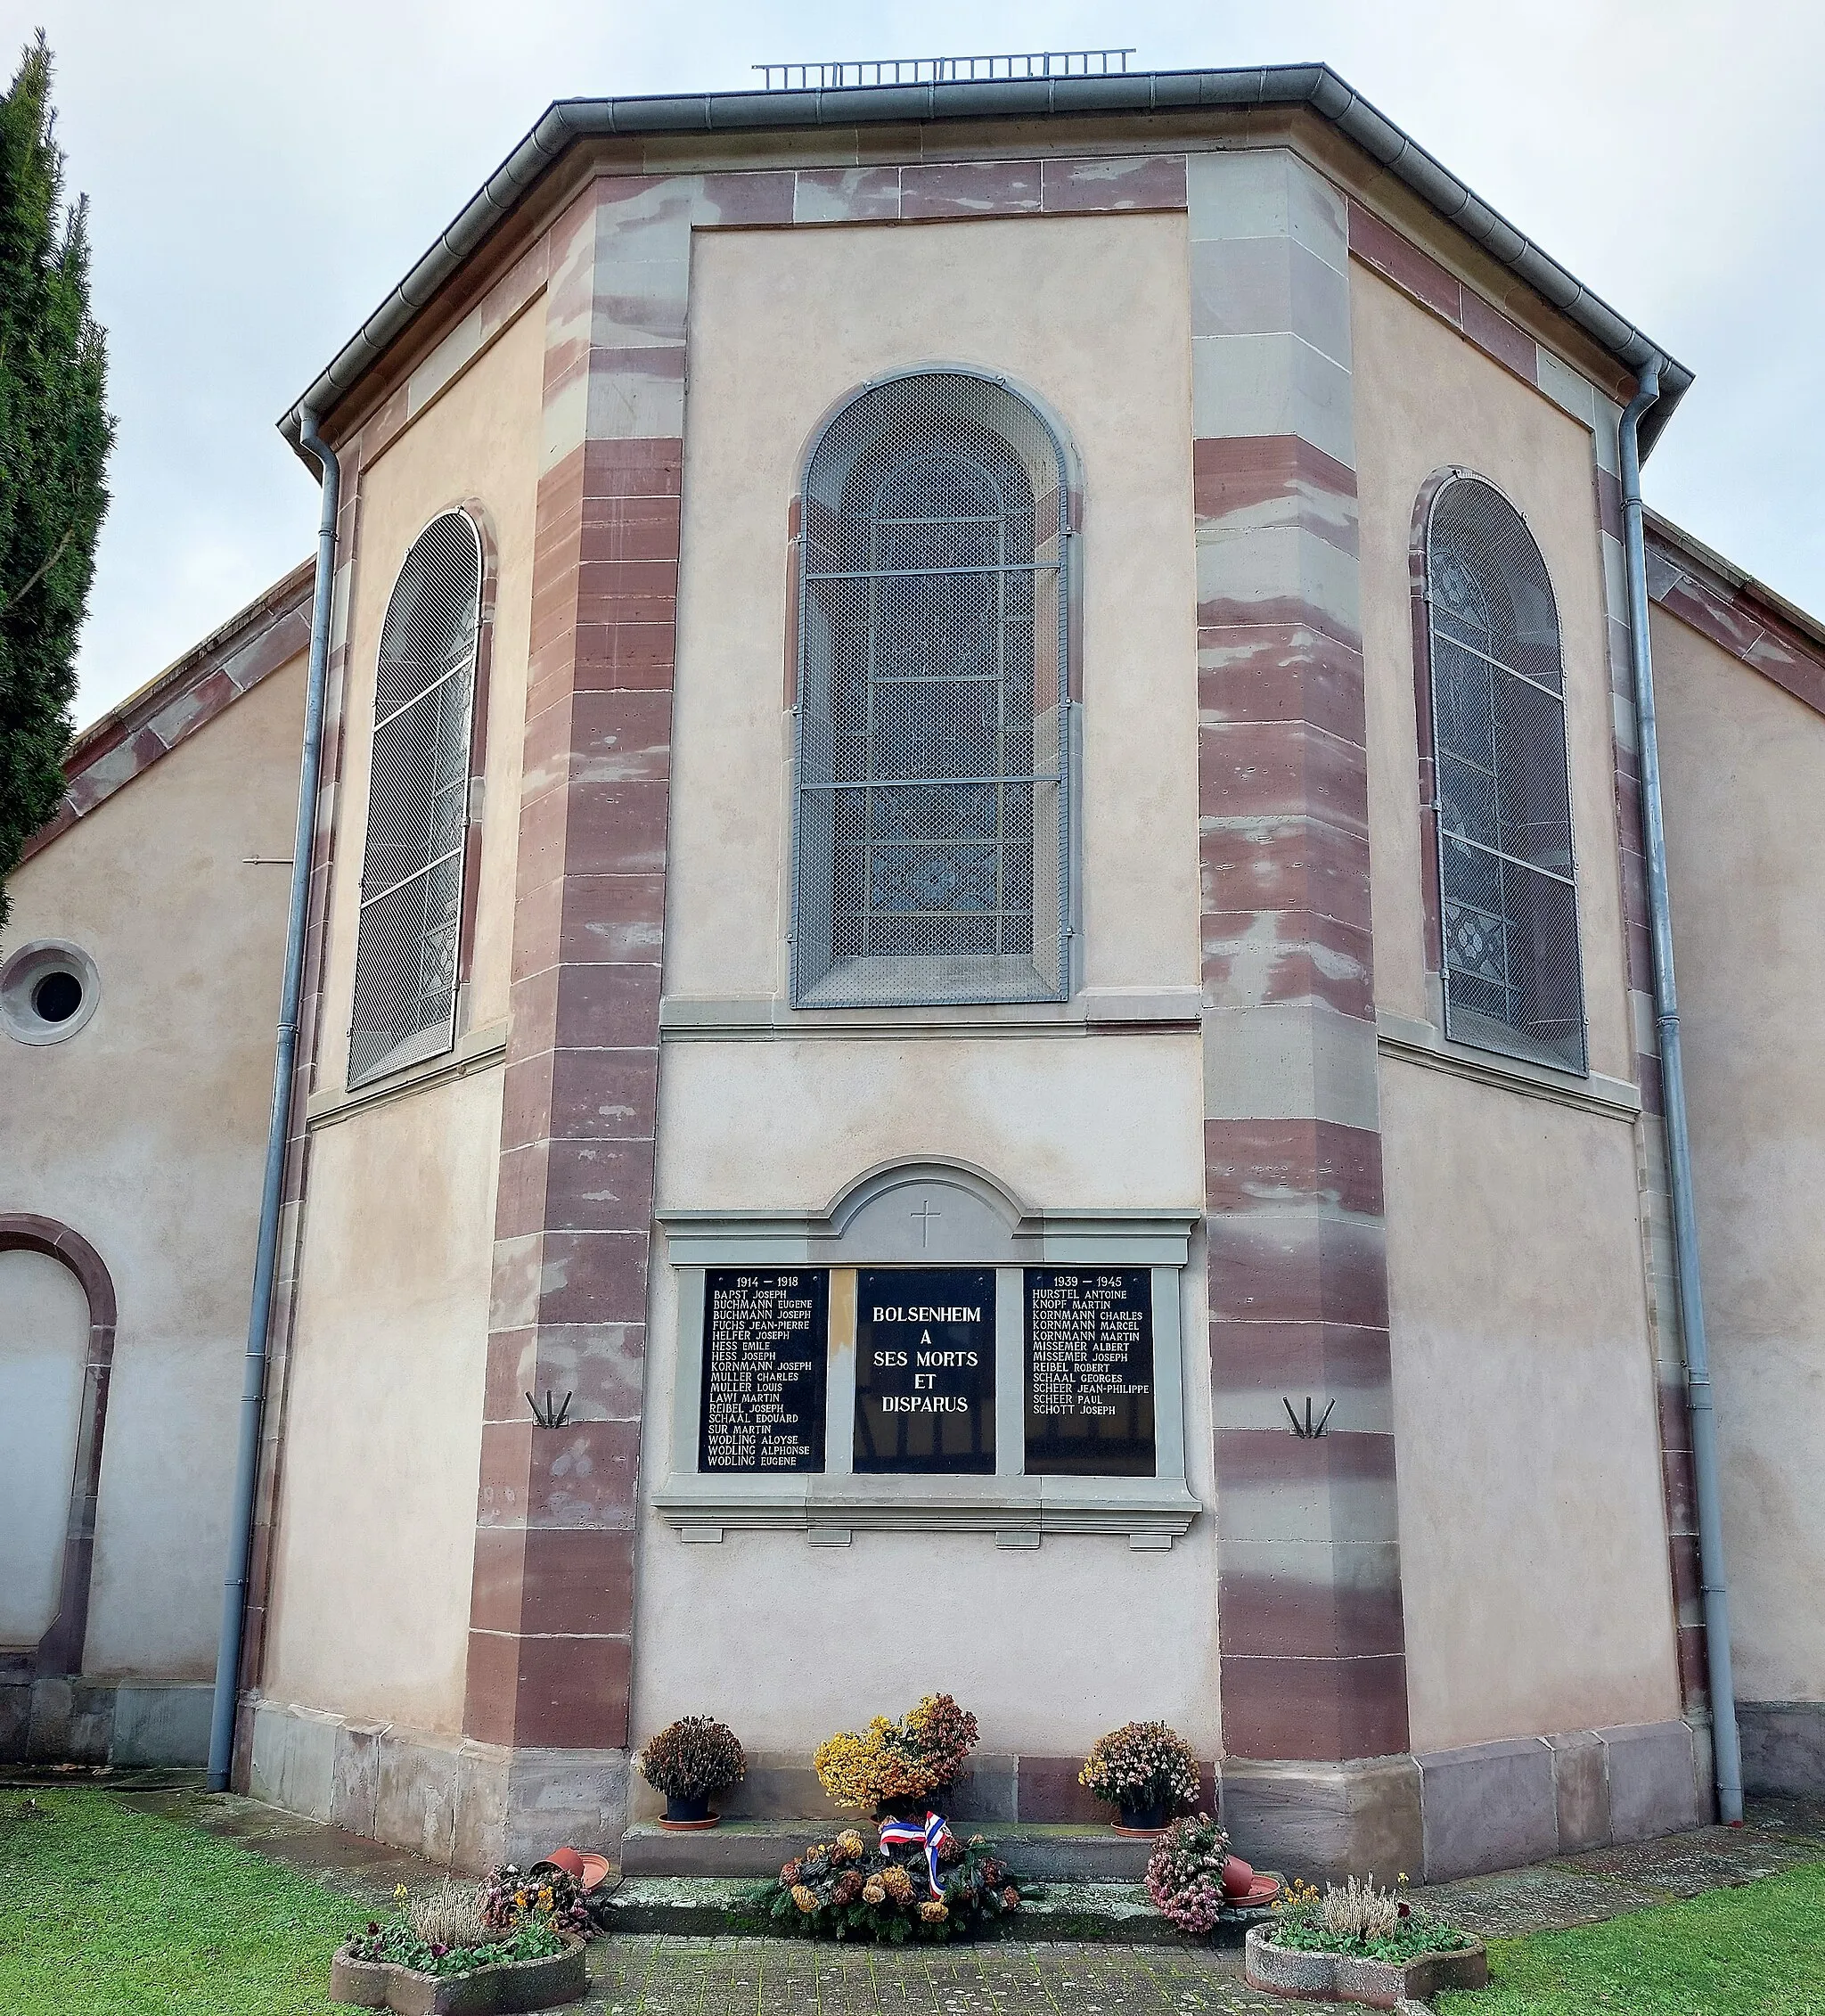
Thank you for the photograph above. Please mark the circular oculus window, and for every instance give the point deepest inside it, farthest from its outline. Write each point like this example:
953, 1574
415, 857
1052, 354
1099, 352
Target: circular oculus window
48, 990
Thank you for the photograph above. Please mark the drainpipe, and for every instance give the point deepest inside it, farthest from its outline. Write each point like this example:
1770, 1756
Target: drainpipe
1725, 1746
271, 1192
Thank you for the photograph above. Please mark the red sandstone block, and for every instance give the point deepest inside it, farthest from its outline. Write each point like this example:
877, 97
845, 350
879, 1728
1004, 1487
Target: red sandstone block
846, 195
613, 917
603, 1094
1317, 1708
548, 1692
1308, 1600
629, 529
1379, 245
763, 196
552, 1582
607, 1007
1131, 182
1491, 330
599, 1185
1256, 769
622, 656
970, 189
593, 1277
1257, 1165
643, 466
1286, 958
1284, 863
614, 829
1297, 1269
1273, 1359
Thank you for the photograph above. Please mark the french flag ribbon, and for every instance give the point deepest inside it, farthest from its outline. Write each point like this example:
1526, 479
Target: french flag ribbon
902, 1833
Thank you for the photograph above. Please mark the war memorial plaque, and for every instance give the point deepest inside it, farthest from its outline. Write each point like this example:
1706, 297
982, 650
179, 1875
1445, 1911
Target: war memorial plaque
1089, 1373
765, 1350
925, 1370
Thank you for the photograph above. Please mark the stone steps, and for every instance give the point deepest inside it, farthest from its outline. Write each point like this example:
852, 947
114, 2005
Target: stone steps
752, 1849
703, 1906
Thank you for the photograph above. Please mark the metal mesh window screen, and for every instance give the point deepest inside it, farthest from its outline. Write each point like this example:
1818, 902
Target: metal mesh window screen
418, 805
1513, 980
933, 763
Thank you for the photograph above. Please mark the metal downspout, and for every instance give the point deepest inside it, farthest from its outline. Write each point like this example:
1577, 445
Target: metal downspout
273, 1190
1726, 1748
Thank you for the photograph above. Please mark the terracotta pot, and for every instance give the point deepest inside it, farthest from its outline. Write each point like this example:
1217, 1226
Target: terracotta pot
1238, 1877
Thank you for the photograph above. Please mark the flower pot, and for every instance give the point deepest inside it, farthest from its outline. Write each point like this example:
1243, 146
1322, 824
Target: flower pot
516, 1984
1339, 1977
689, 1814
1144, 1819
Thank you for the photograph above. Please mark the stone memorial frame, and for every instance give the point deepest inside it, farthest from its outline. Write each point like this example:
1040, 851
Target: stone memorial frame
936, 1214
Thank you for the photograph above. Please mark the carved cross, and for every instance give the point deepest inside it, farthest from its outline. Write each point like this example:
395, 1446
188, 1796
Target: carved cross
925, 1214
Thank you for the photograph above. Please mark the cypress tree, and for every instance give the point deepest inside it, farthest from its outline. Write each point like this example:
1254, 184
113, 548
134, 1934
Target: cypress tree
54, 437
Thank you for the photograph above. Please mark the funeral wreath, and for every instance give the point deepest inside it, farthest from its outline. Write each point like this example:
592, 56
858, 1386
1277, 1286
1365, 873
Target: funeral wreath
920, 1882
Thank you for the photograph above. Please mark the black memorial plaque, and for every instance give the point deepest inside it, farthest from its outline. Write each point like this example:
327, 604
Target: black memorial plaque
1089, 1373
924, 1369
766, 1348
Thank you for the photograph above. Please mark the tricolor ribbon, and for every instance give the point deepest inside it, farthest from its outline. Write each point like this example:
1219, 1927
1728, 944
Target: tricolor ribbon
902, 1833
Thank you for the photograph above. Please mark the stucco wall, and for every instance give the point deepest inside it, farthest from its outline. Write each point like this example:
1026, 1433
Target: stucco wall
788, 1642
376, 1527
1744, 782
376, 1522
145, 1132
1534, 1569
477, 443
1533, 1538
43, 1344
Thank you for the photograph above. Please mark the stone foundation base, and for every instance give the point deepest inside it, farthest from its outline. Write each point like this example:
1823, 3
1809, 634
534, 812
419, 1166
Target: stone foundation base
1783, 1748
1464, 1812
460, 1804
129, 1723
465, 1805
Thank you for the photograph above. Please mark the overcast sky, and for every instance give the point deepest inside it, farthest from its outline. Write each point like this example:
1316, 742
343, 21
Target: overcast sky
262, 171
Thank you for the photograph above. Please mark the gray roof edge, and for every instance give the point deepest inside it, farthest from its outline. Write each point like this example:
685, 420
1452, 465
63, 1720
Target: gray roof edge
1312, 84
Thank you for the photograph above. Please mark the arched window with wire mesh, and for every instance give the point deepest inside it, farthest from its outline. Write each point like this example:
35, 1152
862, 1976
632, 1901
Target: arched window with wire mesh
933, 792
1508, 887
406, 947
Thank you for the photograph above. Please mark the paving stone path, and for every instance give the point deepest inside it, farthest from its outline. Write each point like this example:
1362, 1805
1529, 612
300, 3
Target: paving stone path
660, 1975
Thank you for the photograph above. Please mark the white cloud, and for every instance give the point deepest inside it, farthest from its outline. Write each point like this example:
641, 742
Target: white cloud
260, 175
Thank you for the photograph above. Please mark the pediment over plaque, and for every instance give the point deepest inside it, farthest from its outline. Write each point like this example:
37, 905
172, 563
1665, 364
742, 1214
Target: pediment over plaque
928, 1209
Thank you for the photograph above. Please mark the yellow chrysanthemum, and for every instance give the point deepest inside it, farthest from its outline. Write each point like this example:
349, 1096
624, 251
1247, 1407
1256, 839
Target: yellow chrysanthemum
874, 1891
805, 1899
850, 1844
899, 1884
933, 1911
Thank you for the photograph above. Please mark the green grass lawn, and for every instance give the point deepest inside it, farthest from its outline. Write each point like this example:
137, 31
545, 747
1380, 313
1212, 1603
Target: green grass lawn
110, 1912
1756, 1951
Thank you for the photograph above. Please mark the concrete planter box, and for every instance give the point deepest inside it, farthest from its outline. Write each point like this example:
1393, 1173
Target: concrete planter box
1336, 1977
519, 1984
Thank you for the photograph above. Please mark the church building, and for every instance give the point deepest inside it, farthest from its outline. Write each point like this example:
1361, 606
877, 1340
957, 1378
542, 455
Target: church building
978, 1010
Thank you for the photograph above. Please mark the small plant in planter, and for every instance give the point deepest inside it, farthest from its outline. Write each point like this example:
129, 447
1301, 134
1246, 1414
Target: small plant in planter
897, 1767
1358, 1943
451, 1948
1146, 1771
687, 1761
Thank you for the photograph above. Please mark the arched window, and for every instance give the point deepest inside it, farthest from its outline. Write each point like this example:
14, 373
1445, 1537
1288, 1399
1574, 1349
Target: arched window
1508, 892
405, 954
933, 751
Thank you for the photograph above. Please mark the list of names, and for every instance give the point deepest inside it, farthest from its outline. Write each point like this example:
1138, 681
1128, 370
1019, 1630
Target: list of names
765, 1347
